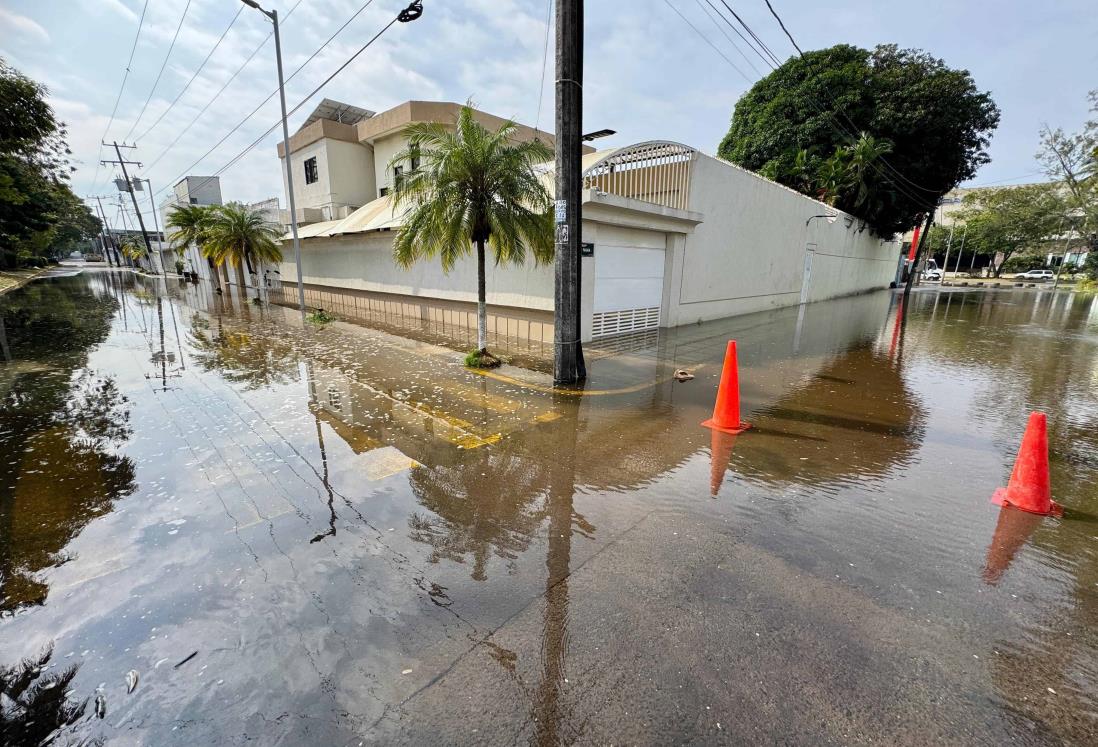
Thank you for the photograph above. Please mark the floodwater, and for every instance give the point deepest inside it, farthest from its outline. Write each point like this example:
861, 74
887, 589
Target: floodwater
221, 525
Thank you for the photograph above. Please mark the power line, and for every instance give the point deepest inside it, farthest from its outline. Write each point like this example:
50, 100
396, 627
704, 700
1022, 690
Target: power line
761, 43
726, 36
195, 75
274, 93
707, 41
300, 104
780, 23
163, 65
220, 91
125, 77
544, 61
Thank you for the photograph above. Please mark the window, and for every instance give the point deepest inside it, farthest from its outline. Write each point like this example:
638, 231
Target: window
335, 399
398, 174
194, 200
311, 174
383, 191
415, 163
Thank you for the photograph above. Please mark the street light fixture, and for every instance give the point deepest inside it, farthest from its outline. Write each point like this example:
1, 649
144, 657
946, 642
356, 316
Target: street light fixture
273, 16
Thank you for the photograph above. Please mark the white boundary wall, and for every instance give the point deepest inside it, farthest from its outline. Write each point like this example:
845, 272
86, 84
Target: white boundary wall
749, 253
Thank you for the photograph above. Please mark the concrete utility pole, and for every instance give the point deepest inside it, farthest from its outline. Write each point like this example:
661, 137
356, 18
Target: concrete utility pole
273, 16
949, 246
103, 234
156, 225
568, 366
129, 187
110, 236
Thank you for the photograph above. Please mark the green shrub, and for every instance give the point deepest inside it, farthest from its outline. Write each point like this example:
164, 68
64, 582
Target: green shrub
1086, 285
320, 316
477, 359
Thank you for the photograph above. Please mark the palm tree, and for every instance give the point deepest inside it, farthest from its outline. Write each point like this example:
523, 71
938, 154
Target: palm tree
472, 187
239, 234
189, 224
862, 158
131, 249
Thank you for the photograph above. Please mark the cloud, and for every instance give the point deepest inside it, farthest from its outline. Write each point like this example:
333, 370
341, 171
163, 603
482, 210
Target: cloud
23, 26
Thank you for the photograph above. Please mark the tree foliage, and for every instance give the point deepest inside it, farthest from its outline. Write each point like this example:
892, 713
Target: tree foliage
239, 234
473, 188
880, 134
1008, 220
1072, 159
39, 214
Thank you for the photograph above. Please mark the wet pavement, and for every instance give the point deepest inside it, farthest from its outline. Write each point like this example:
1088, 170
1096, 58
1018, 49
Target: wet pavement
300, 535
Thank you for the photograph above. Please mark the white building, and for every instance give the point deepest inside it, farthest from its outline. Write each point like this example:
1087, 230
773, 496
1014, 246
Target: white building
672, 236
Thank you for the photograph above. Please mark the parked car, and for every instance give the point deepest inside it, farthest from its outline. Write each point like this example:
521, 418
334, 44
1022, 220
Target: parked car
1035, 275
932, 274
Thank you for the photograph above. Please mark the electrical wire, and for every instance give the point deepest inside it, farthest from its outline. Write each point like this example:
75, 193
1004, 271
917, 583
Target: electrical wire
707, 41
754, 36
114, 111
782, 24
544, 61
725, 34
300, 104
192, 78
160, 74
274, 93
221, 90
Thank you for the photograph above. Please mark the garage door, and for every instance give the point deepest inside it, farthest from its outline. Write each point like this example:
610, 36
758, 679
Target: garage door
628, 289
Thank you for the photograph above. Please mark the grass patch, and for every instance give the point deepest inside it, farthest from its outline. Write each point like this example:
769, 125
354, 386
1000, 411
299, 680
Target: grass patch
482, 359
1086, 285
320, 316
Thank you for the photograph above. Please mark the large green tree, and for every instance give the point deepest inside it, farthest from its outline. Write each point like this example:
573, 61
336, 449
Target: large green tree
881, 134
1005, 221
473, 188
39, 214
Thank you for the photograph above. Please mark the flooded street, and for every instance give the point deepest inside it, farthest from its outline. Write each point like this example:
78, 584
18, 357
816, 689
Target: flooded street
294, 535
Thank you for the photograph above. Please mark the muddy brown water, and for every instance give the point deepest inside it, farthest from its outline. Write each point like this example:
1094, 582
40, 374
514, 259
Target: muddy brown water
302, 535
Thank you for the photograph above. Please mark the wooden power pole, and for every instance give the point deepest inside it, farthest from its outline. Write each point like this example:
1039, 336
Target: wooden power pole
568, 367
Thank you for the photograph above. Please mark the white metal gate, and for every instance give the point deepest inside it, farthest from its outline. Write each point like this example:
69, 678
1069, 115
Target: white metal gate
628, 289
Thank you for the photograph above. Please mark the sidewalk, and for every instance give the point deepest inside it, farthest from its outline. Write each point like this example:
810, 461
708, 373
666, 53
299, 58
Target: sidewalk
10, 279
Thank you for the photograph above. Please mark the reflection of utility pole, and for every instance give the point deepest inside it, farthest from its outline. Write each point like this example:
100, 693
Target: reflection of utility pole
918, 253
129, 187
562, 484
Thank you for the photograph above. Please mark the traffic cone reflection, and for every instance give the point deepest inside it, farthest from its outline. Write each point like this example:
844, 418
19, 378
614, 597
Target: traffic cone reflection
720, 454
1011, 532
726, 412
1029, 488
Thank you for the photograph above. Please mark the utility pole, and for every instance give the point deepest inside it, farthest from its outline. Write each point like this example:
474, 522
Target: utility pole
272, 15
103, 232
129, 187
949, 246
918, 253
568, 366
960, 252
156, 224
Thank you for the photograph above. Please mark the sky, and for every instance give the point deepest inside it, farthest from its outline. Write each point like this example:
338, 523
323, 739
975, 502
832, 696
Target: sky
648, 73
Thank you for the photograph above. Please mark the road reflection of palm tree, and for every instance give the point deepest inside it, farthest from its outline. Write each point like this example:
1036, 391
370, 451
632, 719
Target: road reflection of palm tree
248, 355
35, 704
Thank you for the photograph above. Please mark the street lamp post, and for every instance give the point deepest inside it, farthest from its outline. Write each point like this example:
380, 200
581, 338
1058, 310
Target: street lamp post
273, 16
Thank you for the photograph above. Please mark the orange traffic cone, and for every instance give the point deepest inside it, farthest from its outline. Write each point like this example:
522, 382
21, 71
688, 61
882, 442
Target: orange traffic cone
726, 412
1028, 488
1011, 532
720, 453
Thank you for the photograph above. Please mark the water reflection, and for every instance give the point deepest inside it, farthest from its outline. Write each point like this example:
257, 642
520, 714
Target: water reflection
36, 704
60, 425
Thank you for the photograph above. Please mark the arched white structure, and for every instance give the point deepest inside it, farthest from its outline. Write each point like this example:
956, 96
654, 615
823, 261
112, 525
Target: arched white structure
657, 171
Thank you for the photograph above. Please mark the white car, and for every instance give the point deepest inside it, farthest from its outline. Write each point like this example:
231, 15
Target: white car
932, 274
1035, 275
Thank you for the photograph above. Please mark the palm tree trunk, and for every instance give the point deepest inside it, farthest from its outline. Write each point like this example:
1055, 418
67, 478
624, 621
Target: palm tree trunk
251, 272
482, 301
